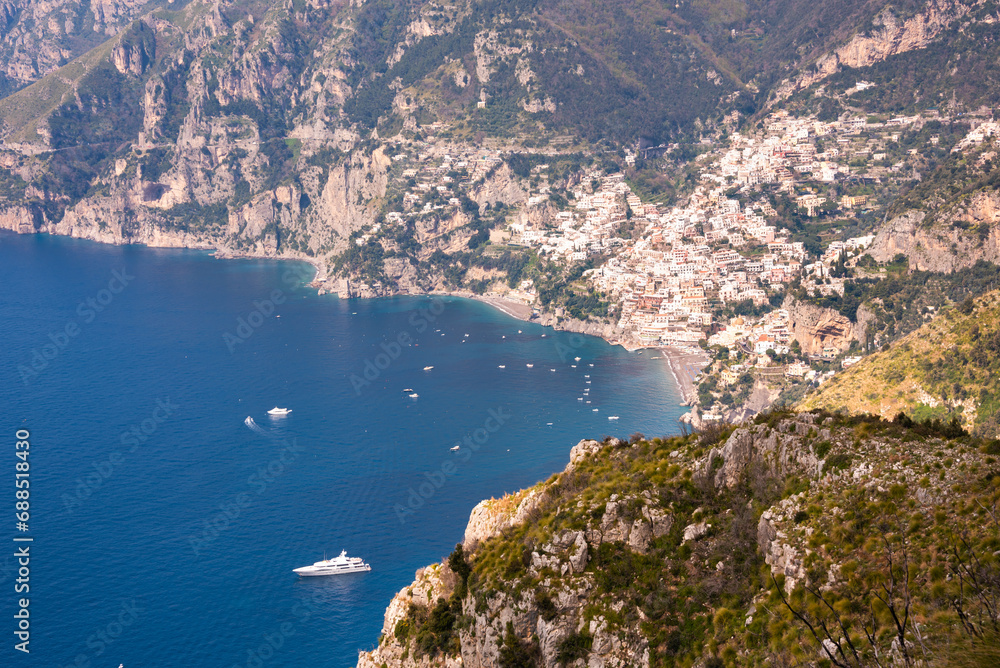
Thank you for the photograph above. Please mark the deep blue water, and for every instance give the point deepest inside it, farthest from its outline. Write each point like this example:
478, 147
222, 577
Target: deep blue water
177, 548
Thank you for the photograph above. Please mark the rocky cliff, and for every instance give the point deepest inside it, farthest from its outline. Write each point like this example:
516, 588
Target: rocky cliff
959, 237
645, 553
39, 37
889, 35
817, 328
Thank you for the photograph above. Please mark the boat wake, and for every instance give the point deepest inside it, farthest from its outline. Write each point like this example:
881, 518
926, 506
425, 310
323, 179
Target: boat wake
253, 426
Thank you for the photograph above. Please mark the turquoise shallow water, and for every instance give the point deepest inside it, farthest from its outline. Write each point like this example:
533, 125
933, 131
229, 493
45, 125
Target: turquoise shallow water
165, 528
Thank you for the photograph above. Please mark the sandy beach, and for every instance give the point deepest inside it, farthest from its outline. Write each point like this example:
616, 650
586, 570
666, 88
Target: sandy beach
514, 309
508, 306
684, 366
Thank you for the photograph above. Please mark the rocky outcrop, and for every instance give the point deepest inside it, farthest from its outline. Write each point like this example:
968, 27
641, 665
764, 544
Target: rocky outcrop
490, 518
606, 330
817, 328
499, 186
889, 36
968, 232
136, 51
39, 37
892, 36
429, 584
757, 449
779, 554
591, 577
635, 521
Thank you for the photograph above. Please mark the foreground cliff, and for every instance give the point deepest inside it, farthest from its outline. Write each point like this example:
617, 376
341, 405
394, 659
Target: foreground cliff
802, 539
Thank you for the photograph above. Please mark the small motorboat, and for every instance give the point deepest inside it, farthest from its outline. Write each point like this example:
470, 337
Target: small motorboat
428, 368
414, 395
455, 448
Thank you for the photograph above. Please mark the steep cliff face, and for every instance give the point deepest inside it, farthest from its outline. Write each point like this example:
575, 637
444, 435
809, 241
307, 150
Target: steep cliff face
889, 36
967, 233
38, 37
642, 553
817, 328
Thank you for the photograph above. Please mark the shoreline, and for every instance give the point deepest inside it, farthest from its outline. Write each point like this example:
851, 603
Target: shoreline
514, 309
682, 365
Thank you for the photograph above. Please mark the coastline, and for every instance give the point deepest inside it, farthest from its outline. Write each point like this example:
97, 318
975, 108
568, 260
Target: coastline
514, 309
683, 365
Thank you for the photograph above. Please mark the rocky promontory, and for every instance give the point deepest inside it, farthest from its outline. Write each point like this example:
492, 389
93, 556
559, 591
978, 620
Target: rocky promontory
702, 550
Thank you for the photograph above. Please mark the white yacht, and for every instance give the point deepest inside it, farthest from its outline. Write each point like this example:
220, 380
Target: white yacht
502, 366
428, 368
279, 411
335, 566
612, 417
414, 395
529, 365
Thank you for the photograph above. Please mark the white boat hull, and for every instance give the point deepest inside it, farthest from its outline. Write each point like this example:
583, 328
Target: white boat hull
312, 571
340, 565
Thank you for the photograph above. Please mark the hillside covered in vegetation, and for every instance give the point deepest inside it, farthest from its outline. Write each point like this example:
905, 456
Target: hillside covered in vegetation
948, 368
800, 539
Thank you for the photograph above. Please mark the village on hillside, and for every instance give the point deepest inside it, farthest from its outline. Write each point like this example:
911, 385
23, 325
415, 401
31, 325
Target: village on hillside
710, 274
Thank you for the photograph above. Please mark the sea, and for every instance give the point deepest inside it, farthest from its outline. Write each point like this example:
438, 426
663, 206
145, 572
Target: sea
167, 509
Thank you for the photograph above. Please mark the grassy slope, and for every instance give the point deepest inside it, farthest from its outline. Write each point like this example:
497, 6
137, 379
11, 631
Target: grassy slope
951, 360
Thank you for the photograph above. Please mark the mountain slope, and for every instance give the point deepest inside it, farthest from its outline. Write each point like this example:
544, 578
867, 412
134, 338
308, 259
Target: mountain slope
947, 368
295, 130
37, 37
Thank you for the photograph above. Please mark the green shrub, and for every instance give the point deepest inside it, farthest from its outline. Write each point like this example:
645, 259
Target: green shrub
838, 462
822, 449
574, 646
